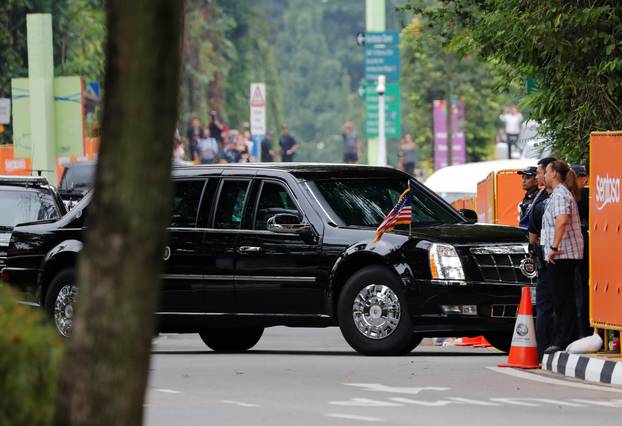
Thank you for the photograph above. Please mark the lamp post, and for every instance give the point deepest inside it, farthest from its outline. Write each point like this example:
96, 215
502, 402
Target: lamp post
382, 142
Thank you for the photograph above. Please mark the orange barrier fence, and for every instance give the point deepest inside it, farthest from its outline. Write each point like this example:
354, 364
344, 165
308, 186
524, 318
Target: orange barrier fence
465, 203
498, 198
9, 165
605, 230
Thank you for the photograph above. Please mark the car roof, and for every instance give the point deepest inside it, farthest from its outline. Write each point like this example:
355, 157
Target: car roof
299, 170
23, 180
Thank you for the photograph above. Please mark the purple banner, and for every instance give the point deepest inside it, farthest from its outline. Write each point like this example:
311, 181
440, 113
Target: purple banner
440, 134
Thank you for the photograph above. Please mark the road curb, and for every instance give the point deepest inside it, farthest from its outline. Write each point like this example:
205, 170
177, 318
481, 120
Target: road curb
584, 367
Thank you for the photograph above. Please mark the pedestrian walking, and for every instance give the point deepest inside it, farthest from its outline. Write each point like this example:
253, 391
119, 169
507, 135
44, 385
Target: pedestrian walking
351, 144
544, 291
408, 154
208, 148
193, 134
512, 120
583, 270
563, 248
267, 154
530, 186
287, 144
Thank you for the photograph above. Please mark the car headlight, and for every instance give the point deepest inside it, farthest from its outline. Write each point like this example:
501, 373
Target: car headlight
4, 239
445, 263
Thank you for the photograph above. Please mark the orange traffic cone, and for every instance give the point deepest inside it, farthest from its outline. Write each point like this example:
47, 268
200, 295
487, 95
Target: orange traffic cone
483, 344
469, 341
524, 353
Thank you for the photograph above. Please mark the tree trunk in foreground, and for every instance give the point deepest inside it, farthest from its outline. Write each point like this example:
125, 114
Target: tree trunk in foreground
106, 366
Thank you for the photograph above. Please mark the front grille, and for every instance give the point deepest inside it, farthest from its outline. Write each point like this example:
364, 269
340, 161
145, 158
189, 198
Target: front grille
504, 264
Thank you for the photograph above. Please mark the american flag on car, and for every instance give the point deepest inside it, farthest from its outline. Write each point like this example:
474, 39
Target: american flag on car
400, 215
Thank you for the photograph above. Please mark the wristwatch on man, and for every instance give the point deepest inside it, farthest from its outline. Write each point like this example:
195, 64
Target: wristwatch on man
554, 248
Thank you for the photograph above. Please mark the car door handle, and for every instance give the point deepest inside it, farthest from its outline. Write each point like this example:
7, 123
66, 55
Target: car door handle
248, 249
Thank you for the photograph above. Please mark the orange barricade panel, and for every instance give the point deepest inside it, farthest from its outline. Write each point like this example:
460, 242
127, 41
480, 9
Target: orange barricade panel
485, 199
13, 166
509, 197
605, 230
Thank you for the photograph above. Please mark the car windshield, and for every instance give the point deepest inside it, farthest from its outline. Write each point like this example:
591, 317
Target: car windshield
78, 178
20, 206
366, 202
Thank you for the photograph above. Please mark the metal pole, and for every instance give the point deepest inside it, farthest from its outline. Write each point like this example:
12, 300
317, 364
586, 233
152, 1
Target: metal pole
375, 21
382, 142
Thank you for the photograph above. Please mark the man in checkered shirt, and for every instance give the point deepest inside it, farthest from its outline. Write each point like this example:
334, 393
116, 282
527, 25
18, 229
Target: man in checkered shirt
563, 248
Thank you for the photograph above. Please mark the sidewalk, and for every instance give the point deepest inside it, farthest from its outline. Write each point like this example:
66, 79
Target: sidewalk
600, 368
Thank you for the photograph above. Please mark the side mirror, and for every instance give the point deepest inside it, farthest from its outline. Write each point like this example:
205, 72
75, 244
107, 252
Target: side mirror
285, 223
469, 215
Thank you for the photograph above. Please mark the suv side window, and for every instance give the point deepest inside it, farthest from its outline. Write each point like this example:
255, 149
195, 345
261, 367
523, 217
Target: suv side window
274, 199
186, 203
230, 207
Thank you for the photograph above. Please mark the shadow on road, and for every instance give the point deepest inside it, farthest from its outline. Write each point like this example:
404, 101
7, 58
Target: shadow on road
416, 354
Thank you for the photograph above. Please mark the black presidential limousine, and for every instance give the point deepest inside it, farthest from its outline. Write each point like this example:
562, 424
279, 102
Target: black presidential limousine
259, 245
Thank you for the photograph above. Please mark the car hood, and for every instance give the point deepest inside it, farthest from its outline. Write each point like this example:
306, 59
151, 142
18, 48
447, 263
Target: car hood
466, 234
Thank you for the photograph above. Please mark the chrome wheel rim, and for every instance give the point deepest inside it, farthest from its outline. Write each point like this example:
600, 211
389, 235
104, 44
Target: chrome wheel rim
64, 309
376, 311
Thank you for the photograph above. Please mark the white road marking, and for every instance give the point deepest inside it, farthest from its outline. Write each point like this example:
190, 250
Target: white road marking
353, 417
555, 402
239, 403
364, 402
474, 402
615, 403
167, 391
440, 403
514, 401
550, 380
376, 387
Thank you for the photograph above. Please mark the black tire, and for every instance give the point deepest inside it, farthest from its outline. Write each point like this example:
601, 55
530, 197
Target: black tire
400, 339
501, 341
415, 340
231, 340
64, 278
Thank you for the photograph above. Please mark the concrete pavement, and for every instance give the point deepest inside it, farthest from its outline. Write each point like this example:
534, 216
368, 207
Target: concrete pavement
312, 377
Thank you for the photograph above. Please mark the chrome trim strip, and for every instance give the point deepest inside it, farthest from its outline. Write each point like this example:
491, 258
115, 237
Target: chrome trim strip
181, 277
244, 314
507, 249
33, 304
318, 203
231, 231
274, 278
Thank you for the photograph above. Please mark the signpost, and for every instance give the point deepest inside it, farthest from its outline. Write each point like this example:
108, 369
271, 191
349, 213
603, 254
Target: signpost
392, 110
258, 116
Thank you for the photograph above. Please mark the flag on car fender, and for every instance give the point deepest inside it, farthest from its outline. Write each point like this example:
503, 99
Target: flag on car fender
400, 215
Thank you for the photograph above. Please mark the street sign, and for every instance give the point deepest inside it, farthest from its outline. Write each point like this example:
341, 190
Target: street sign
382, 55
5, 111
258, 108
392, 110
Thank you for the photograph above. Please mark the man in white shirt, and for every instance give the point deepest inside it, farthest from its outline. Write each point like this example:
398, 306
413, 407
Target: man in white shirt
513, 120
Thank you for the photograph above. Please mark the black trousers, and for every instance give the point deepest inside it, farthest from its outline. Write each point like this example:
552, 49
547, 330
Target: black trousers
544, 311
582, 289
562, 277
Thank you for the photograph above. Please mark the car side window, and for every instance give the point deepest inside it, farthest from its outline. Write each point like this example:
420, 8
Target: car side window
230, 207
274, 199
186, 203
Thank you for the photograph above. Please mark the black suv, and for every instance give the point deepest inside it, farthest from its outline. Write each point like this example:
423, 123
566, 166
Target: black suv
76, 181
254, 246
25, 199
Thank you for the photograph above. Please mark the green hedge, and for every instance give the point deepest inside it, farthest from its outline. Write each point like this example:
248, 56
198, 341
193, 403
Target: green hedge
30, 356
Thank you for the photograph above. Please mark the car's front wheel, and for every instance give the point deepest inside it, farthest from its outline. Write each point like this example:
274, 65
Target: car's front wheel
60, 301
373, 315
231, 339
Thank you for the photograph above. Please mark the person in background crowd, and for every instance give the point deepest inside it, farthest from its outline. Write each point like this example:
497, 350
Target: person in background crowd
351, 144
563, 248
179, 153
248, 141
208, 148
242, 148
582, 281
408, 154
530, 186
288, 145
512, 120
231, 153
267, 154
193, 134
215, 127
544, 291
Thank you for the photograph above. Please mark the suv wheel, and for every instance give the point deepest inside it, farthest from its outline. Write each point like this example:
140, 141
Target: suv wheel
501, 341
60, 301
373, 315
231, 339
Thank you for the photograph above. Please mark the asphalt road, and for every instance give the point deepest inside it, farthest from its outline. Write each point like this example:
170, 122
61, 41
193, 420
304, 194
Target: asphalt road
312, 377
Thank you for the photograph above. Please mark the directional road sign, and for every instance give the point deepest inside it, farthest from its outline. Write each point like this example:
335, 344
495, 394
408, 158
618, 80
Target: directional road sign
392, 110
382, 56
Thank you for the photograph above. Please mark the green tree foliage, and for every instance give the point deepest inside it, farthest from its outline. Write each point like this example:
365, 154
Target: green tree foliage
29, 364
427, 68
572, 48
